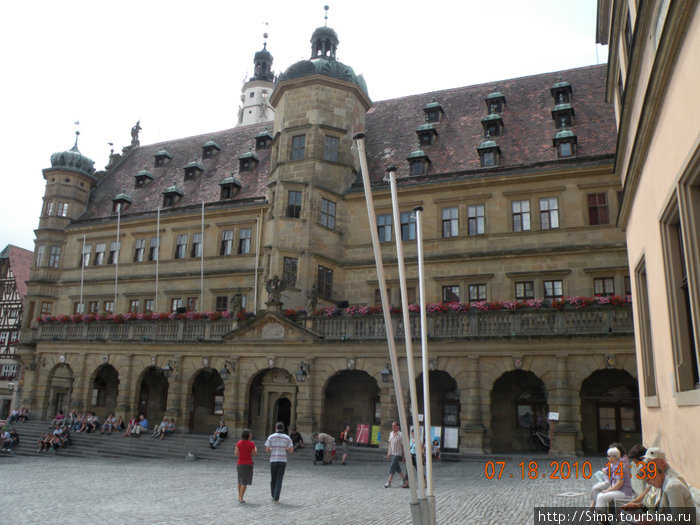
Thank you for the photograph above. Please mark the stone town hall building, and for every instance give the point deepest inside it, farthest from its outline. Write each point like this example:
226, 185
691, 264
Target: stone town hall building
520, 203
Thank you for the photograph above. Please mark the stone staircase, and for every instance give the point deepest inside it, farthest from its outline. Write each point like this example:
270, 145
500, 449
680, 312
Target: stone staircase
174, 446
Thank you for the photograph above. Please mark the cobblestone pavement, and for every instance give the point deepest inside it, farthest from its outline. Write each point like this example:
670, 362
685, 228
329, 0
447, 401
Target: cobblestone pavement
59, 490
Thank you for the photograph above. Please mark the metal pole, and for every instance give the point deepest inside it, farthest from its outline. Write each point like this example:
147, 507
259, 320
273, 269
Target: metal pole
258, 233
391, 173
116, 257
157, 253
82, 277
416, 515
201, 266
426, 368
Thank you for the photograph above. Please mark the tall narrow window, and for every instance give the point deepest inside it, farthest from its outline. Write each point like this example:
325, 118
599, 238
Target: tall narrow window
100, 250
597, 209
450, 222
148, 306
93, 307
324, 282
196, 245
328, 213
153, 249
604, 286
408, 226
226, 242
294, 204
644, 320
54, 256
476, 222
330, 149
521, 216
85, 259
175, 304
39, 255
108, 307
49, 209
134, 306
62, 209
113, 252
181, 246
46, 308
244, 236
477, 292
549, 213
221, 303
289, 272
524, 290
553, 289
298, 147
450, 294
192, 304
384, 227
139, 250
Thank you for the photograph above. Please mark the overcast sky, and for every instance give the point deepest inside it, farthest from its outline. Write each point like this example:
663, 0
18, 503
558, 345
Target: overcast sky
178, 66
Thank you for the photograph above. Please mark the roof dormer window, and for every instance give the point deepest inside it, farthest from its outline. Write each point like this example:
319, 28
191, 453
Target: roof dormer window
495, 102
563, 115
565, 142
209, 149
263, 140
489, 153
162, 157
193, 169
427, 134
172, 195
248, 161
418, 163
433, 112
121, 202
142, 178
230, 187
561, 92
493, 125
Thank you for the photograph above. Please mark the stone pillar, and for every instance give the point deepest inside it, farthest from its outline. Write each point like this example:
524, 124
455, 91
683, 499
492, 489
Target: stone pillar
232, 412
471, 417
562, 432
390, 411
126, 393
308, 403
176, 405
80, 391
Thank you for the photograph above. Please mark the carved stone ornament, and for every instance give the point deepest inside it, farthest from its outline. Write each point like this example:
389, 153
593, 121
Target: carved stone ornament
433, 363
205, 362
273, 331
517, 363
105, 358
271, 362
351, 363
610, 361
62, 358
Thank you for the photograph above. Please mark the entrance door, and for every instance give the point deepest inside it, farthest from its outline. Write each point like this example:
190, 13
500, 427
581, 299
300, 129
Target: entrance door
283, 412
615, 423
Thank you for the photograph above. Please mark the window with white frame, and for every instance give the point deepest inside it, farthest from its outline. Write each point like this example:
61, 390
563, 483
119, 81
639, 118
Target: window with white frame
476, 221
139, 250
196, 245
477, 292
100, 250
54, 256
408, 226
181, 246
328, 213
226, 242
244, 238
39, 256
450, 222
549, 213
113, 252
553, 289
521, 215
384, 227
153, 249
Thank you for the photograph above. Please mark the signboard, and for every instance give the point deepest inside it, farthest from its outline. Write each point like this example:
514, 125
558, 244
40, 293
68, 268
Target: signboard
362, 434
450, 438
554, 416
376, 436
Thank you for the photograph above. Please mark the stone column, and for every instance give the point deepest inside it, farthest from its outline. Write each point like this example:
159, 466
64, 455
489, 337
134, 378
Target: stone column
233, 410
562, 432
308, 404
176, 405
390, 411
471, 417
80, 391
126, 393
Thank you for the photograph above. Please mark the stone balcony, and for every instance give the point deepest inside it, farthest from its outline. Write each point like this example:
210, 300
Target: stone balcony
592, 321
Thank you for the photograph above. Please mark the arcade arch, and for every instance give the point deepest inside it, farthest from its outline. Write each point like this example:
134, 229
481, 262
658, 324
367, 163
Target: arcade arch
351, 397
206, 403
104, 388
273, 395
153, 394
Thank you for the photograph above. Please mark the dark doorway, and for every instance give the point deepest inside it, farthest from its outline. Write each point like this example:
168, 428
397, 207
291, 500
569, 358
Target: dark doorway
444, 407
207, 401
350, 399
153, 394
267, 389
105, 385
283, 412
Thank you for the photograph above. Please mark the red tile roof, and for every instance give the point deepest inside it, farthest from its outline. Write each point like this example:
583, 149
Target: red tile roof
20, 263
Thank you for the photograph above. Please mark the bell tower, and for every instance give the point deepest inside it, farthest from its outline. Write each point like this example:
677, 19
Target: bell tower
255, 104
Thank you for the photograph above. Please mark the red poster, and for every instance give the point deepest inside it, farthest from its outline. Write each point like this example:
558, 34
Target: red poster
362, 434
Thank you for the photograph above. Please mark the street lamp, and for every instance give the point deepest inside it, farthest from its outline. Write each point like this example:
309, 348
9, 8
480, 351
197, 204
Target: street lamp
169, 368
303, 372
225, 372
386, 373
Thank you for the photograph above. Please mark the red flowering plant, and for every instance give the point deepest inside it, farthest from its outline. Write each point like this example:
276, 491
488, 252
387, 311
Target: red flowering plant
328, 311
212, 316
512, 305
130, 316
579, 302
535, 304
436, 308
193, 315
558, 303
243, 315
293, 313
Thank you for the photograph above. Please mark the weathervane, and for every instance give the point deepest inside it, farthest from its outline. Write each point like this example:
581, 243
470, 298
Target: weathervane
325, 18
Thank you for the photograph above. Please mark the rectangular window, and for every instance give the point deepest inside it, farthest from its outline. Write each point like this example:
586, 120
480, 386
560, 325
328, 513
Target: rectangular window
181, 246
54, 256
328, 213
524, 290
294, 204
62, 210
48, 210
604, 286
46, 308
549, 213
100, 249
627, 284
85, 257
476, 223
226, 242
289, 273
175, 304
408, 226
330, 149
153, 249
93, 307
450, 222
113, 252
134, 306
553, 289
139, 250
384, 227
39, 257
324, 282
298, 147
108, 307
450, 294
597, 209
521, 216
378, 296
196, 245
78, 308
644, 321
148, 306
192, 304
221, 303
244, 236
477, 292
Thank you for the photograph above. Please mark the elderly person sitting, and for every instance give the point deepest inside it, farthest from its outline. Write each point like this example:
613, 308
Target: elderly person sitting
221, 432
649, 498
617, 483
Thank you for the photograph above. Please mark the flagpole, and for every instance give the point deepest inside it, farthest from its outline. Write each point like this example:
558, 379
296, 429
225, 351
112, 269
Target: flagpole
258, 233
82, 277
157, 253
416, 514
201, 266
426, 368
116, 257
408, 341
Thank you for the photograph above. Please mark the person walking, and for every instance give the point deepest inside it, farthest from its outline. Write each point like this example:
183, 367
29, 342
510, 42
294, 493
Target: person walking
344, 440
245, 450
395, 454
277, 445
